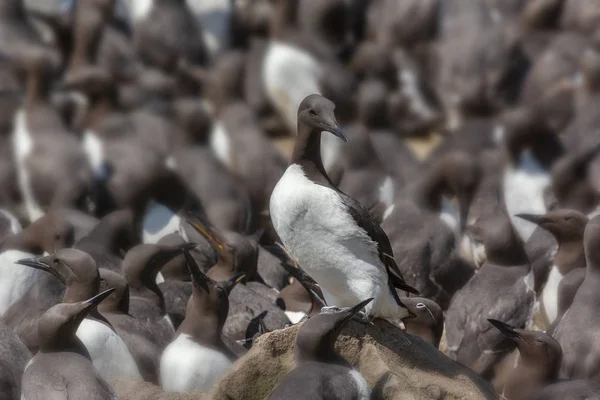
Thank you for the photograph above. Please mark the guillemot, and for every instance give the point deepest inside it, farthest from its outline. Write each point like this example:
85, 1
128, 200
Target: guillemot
318, 366
78, 272
502, 287
567, 227
333, 236
61, 352
576, 330
197, 358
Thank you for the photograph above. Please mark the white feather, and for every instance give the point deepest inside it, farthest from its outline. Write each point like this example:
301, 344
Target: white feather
94, 150
22, 147
316, 227
295, 316
159, 221
450, 215
550, 293
214, 17
289, 74
140, 9
110, 356
159, 278
186, 366
362, 388
386, 192
331, 149
524, 192
220, 143
410, 88
15, 279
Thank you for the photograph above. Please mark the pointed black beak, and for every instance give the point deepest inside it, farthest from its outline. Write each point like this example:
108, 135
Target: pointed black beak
199, 225
37, 264
94, 302
229, 284
198, 277
409, 308
348, 314
505, 329
337, 131
533, 218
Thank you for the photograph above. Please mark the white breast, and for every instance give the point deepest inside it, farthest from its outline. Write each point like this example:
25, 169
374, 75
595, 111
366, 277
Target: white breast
140, 9
214, 17
15, 279
289, 75
362, 388
220, 144
94, 151
316, 227
22, 148
331, 149
410, 88
15, 225
295, 316
386, 192
550, 293
158, 222
524, 192
110, 356
186, 366
450, 215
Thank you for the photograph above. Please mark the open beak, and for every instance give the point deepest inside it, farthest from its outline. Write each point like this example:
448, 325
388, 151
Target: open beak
37, 264
505, 329
205, 231
337, 131
198, 277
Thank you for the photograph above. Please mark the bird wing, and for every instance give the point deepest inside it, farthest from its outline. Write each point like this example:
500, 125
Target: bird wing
49, 386
365, 220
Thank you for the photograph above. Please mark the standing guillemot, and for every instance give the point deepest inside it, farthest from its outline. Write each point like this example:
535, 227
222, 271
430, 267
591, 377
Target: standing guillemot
78, 272
320, 372
576, 331
133, 332
333, 236
567, 227
73, 374
502, 288
197, 358
141, 267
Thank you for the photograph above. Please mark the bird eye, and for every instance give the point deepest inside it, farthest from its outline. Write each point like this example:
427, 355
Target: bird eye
56, 261
312, 112
420, 305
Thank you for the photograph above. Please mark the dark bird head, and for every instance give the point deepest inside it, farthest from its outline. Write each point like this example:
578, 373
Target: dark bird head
426, 319
564, 225
58, 325
208, 305
75, 269
317, 336
538, 349
49, 233
317, 113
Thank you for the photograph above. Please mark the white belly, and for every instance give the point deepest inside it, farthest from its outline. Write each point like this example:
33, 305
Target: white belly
110, 356
94, 151
219, 144
386, 192
15, 279
316, 228
22, 148
15, 225
214, 16
524, 192
159, 221
140, 9
187, 366
289, 75
550, 294
295, 316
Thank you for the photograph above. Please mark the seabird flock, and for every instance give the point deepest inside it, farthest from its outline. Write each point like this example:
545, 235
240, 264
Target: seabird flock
189, 186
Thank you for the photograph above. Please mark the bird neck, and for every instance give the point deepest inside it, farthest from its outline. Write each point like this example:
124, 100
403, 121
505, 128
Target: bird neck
570, 255
307, 153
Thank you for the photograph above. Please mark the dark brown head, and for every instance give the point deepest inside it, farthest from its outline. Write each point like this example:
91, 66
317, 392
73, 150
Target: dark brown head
49, 233
564, 225
426, 319
57, 326
374, 60
193, 121
317, 114
317, 336
118, 301
456, 174
75, 269
538, 350
591, 238
209, 303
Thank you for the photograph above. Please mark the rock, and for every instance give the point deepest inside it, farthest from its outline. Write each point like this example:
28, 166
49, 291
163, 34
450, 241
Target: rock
137, 390
407, 367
